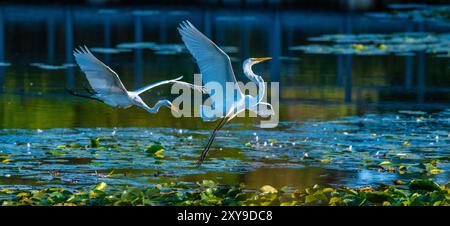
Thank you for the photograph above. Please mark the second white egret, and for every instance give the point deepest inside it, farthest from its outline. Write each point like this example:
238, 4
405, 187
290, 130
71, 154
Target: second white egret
108, 88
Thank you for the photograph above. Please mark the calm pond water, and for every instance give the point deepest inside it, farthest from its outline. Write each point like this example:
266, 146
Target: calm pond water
345, 119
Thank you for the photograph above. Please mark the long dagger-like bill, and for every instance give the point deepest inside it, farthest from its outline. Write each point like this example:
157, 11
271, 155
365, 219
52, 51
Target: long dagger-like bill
262, 59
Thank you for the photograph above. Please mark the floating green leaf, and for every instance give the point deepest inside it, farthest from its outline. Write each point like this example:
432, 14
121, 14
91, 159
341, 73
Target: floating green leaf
424, 184
101, 186
385, 163
268, 189
152, 149
95, 142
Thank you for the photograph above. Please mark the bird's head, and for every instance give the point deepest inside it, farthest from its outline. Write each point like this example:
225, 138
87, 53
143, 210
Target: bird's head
247, 66
252, 61
169, 105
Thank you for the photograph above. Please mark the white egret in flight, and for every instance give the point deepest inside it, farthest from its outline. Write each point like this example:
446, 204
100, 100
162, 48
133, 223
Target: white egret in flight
108, 88
215, 66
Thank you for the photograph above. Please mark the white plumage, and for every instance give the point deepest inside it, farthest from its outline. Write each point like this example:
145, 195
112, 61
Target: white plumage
215, 66
110, 90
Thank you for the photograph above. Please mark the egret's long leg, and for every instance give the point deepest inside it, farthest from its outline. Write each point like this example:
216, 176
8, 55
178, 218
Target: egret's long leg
82, 95
228, 118
211, 139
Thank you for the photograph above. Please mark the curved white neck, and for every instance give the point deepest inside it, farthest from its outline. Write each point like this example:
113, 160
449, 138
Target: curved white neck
155, 107
256, 79
248, 70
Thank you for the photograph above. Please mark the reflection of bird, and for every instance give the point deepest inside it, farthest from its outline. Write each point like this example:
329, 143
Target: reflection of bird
215, 66
108, 88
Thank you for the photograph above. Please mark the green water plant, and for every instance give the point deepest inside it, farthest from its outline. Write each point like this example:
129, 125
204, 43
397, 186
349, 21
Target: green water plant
418, 192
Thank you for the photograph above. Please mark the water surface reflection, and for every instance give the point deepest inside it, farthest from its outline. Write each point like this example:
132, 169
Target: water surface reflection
337, 85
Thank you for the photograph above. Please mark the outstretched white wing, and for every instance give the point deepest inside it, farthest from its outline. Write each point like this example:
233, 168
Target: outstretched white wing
101, 78
151, 86
214, 64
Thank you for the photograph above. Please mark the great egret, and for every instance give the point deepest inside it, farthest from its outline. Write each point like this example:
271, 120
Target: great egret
108, 88
215, 66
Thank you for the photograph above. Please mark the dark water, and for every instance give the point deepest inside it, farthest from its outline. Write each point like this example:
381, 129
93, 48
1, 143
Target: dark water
329, 102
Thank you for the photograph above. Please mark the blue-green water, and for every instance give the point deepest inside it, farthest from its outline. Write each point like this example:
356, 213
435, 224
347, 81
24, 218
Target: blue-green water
352, 151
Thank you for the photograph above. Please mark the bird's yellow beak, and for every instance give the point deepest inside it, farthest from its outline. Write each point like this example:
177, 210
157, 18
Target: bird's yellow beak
173, 108
262, 59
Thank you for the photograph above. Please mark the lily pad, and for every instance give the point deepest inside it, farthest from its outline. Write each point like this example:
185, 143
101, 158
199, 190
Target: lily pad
268, 189
424, 184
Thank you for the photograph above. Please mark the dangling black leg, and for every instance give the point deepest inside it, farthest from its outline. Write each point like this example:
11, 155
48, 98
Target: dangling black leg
73, 93
214, 133
210, 141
